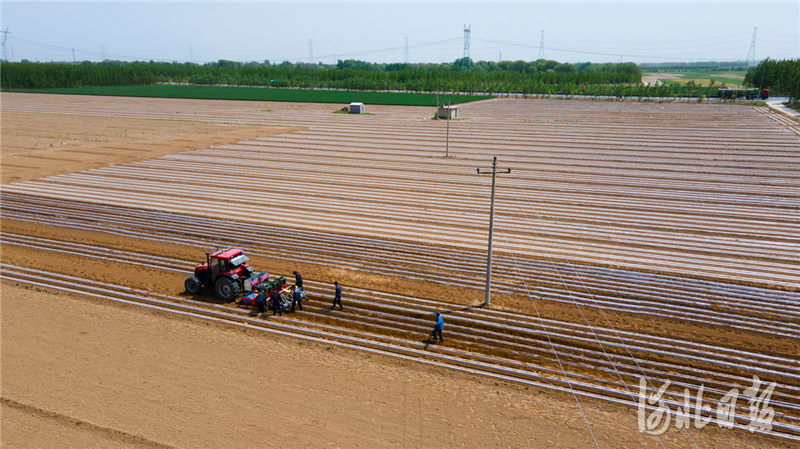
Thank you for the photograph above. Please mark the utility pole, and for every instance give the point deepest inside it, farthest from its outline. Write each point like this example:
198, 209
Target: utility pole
486, 301
541, 47
447, 145
406, 55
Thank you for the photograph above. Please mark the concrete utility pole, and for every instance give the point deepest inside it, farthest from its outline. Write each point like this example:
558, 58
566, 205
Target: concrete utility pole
447, 144
486, 301
541, 47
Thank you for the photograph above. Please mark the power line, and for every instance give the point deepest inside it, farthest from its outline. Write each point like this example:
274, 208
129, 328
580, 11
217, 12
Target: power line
88, 52
638, 42
550, 340
384, 50
615, 54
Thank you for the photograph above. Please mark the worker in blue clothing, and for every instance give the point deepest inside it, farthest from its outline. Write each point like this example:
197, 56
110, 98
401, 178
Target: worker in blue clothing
297, 298
337, 296
261, 302
298, 281
438, 328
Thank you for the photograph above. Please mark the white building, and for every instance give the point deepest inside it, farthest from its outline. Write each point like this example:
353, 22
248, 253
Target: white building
357, 108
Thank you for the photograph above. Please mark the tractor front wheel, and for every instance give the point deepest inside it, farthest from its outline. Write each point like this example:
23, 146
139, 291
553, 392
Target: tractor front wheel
192, 285
227, 290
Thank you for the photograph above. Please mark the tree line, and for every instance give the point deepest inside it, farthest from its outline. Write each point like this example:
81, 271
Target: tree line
25, 75
780, 77
462, 75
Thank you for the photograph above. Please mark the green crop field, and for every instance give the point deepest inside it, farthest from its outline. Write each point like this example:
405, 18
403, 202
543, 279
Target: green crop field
261, 94
729, 78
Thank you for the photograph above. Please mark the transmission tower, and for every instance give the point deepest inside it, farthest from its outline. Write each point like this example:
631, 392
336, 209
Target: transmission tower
541, 47
5, 44
500, 58
406, 55
73, 56
751, 54
467, 31
103, 51
191, 52
310, 51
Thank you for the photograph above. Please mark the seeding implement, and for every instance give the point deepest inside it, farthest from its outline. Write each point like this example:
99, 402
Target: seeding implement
279, 285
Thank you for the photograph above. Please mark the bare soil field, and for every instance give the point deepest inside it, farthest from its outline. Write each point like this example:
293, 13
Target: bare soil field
35, 146
218, 387
654, 240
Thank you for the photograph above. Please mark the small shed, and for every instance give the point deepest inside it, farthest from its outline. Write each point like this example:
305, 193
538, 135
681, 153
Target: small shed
357, 108
447, 112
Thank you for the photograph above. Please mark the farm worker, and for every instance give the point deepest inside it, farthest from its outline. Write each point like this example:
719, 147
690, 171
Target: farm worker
438, 328
261, 302
337, 296
297, 298
298, 281
275, 297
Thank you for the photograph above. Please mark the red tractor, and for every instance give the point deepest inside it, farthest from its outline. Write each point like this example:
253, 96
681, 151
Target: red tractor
228, 272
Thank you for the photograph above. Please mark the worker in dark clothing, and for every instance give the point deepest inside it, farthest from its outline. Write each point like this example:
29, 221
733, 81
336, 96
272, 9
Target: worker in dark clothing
438, 328
297, 298
298, 281
337, 296
275, 297
261, 302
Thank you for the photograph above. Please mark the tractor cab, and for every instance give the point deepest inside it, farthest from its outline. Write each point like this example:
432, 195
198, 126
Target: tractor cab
230, 261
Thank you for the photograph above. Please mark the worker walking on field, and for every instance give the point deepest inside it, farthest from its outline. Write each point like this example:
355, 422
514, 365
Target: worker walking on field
337, 296
275, 297
438, 328
297, 298
298, 281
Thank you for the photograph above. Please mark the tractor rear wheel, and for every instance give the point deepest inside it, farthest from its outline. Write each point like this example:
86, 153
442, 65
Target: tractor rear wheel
192, 285
227, 290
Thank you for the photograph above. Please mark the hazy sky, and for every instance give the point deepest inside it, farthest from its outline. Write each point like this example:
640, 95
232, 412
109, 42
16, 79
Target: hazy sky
376, 31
